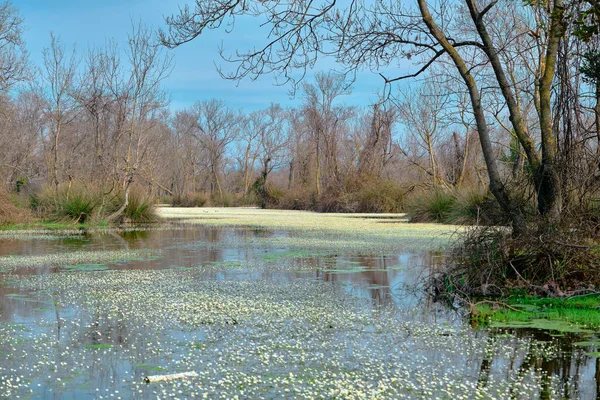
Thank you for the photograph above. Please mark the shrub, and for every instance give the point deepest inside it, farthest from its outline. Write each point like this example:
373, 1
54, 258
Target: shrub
73, 204
197, 199
11, 212
433, 206
77, 206
475, 207
543, 261
296, 199
246, 200
222, 200
140, 209
381, 197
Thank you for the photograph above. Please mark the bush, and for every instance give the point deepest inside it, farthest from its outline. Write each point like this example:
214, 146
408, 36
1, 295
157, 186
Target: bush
198, 199
296, 199
247, 200
475, 207
382, 197
434, 206
543, 261
77, 206
74, 204
140, 209
11, 212
222, 200
376, 197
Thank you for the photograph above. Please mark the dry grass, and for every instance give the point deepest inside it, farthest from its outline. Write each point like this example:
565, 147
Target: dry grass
11, 213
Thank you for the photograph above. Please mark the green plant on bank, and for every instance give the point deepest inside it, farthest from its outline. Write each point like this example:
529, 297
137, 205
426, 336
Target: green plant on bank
140, 209
475, 207
70, 204
79, 205
536, 312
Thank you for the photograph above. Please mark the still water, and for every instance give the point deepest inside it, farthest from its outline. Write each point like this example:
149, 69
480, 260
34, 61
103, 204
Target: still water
255, 317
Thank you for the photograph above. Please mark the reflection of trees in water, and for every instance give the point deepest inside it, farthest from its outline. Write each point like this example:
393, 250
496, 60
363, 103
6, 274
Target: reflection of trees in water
569, 371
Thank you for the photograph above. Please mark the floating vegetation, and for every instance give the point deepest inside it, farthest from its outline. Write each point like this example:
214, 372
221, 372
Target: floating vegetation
321, 231
39, 234
75, 259
251, 339
87, 267
577, 314
297, 311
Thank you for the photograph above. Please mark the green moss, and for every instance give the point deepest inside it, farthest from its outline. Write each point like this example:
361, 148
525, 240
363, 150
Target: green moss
575, 314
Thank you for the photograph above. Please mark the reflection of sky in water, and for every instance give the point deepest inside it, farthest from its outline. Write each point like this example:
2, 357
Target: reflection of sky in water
390, 281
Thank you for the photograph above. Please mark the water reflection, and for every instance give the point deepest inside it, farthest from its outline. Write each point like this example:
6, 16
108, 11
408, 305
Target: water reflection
388, 280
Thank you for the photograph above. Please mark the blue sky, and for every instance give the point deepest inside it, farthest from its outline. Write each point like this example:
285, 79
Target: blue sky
90, 23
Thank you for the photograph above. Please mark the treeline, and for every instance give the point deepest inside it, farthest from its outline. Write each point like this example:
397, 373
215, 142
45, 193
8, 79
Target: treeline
96, 125
93, 127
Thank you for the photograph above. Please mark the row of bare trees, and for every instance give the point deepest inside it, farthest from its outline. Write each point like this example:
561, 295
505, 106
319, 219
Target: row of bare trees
515, 69
506, 96
101, 120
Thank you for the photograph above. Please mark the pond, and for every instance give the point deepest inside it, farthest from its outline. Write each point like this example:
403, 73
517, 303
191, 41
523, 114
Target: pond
260, 305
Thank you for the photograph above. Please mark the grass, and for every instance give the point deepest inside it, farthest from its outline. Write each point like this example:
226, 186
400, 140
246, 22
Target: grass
474, 207
89, 207
70, 205
78, 207
434, 206
140, 209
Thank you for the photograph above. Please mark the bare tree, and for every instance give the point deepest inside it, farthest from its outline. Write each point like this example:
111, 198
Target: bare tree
137, 91
217, 126
14, 62
376, 149
378, 34
273, 145
58, 77
324, 118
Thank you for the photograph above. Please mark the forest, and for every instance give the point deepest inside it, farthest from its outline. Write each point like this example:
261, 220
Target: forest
498, 124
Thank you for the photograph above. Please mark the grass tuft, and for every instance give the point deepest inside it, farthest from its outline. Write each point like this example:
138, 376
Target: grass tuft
434, 206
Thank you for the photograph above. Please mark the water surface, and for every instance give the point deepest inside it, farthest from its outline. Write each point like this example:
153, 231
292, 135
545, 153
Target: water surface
257, 313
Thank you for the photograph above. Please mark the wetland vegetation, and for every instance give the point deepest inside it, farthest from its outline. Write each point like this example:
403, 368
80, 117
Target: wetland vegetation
103, 294
268, 304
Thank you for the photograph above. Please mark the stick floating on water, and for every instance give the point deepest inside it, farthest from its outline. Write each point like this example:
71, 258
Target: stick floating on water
171, 377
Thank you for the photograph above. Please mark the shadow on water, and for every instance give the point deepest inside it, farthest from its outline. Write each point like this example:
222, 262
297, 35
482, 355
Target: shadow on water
389, 281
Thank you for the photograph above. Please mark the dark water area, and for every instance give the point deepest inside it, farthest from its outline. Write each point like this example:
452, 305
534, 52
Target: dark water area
59, 348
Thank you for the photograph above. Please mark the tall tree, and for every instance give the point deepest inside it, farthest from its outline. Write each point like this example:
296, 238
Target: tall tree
376, 35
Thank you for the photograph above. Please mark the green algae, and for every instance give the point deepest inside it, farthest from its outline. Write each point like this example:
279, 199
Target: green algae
87, 267
577, 314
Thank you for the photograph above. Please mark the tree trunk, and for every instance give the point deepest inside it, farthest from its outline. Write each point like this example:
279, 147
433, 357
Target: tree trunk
495, 183
549, 185
121, 209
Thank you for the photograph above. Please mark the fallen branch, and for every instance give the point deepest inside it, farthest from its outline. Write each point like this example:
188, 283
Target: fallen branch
577, 246
171, 377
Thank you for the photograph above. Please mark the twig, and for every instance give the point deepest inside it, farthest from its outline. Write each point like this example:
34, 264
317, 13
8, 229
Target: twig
495, 303
577, 246
582, 295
